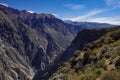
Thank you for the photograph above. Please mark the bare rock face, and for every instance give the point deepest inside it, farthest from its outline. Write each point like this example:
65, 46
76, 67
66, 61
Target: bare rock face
30, 43
13, 65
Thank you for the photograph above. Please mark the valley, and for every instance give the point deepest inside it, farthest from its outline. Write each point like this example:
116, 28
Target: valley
37, 46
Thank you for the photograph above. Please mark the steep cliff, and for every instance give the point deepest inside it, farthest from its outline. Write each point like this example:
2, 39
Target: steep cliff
30, 42
98, 60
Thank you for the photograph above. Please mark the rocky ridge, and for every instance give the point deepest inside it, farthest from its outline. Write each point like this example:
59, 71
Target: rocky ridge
98, 60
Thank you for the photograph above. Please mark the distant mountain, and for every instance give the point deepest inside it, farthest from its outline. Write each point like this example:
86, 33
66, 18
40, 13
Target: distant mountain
97, 60
89, 24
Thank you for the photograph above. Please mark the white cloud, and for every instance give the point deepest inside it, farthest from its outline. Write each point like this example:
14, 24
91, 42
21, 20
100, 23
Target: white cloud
4, 4
89, 17
30, 11
74, 6
56, 15
113, 3
112, 20
89, 14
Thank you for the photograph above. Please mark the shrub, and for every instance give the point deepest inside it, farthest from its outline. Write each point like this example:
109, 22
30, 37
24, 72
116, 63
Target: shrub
101, 64
117, 64
88, 77
63, 76
86, 58
118, 51
110, 75
77, 53
99, 71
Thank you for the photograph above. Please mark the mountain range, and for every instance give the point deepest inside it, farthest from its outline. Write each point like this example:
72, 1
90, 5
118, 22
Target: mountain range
31, 44
89, 25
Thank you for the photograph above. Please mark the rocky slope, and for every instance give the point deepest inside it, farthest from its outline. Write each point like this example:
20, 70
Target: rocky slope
84, 37
30, 43
15, 64
98, 60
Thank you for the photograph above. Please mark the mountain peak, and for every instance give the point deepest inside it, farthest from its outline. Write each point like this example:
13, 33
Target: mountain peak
3, 5
25, 13
47, 15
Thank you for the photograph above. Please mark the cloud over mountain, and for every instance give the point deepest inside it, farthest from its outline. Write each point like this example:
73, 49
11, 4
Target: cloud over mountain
4, 4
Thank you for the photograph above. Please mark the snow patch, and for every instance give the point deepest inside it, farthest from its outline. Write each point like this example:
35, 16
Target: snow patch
30, 11
4, 4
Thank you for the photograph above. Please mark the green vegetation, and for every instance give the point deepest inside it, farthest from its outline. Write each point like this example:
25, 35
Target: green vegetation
99, 71
101, 64
99, 60
110, 75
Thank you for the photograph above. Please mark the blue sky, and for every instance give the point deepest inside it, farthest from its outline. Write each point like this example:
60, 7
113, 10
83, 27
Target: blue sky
102, 11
